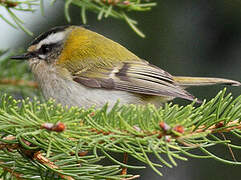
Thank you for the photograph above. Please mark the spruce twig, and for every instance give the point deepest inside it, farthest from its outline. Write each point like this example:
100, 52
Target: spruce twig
24, 6
118, 9
171, 131
18, 82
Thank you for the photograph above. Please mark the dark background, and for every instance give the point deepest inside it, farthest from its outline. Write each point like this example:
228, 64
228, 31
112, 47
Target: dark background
191, 38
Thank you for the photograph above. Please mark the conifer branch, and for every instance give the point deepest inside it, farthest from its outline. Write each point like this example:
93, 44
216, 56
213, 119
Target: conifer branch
45, 161
18, 82
11, 6
118, 9
15, 77
75, 140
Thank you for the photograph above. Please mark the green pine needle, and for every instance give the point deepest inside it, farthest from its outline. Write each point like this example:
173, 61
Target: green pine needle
91, 130
114, 9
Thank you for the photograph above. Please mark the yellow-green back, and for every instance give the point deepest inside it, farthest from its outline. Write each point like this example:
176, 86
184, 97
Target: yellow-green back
85, 49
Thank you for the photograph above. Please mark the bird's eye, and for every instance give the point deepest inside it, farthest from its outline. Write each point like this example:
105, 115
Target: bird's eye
45, 48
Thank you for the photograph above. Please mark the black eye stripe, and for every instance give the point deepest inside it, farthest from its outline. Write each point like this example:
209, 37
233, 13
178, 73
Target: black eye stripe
46, 48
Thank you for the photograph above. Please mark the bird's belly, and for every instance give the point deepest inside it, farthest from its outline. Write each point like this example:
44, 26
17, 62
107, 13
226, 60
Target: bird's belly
69, 93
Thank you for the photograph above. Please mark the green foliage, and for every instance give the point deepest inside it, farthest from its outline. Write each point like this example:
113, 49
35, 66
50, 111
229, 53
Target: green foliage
10, 6
14, 77
48, 141
170, 133
135, 130
119, 9
12, 68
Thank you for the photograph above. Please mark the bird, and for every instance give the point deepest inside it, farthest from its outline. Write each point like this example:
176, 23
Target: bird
79, 67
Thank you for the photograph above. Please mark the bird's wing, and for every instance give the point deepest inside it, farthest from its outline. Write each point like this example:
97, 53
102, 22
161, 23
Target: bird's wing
137, 77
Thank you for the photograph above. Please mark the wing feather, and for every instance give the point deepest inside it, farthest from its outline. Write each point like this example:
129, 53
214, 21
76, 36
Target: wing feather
137, 77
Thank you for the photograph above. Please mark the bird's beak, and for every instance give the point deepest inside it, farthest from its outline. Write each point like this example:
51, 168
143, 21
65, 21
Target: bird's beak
24, 56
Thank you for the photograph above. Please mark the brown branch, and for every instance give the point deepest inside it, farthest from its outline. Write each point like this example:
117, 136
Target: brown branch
125, 159
34, 155
215, 129
18, 82
161, 133
8, 3
212, 129
45, 161
15, 174
171, 132
115, 2
229, 148
9, 146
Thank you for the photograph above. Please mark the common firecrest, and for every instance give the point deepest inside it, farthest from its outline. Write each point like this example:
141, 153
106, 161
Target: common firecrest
78, 67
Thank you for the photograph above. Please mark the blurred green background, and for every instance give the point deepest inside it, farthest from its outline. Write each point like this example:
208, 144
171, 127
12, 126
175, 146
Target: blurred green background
191, 38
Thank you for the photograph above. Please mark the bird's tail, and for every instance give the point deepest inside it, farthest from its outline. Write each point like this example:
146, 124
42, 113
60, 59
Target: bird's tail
203, 81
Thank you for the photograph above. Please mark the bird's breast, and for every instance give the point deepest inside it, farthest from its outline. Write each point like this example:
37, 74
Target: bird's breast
70, 93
